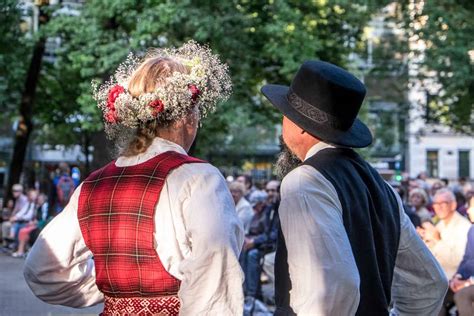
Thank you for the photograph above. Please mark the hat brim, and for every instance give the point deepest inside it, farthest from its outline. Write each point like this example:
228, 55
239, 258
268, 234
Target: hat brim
357, 136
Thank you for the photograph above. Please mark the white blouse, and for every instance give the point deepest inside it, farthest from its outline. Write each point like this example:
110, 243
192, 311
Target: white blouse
199, 243
323, 272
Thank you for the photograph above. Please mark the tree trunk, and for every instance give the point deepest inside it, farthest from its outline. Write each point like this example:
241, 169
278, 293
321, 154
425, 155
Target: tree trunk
25, 123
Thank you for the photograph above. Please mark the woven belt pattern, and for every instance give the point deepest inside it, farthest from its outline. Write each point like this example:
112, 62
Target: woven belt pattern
141, 306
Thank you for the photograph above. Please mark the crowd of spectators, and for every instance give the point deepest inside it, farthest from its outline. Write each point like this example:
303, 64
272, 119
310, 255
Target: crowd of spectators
28, 212
257, 208
443, 215
22, 219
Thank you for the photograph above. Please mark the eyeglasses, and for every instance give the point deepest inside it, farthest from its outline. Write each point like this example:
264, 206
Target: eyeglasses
271, 190
442, 203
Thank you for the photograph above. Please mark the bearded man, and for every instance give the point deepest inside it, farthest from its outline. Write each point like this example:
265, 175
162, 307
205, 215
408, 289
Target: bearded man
346, 246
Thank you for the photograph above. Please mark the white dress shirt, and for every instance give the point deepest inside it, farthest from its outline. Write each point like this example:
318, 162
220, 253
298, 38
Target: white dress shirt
27, 212
245, 213
323, 272
450, 249
198, 241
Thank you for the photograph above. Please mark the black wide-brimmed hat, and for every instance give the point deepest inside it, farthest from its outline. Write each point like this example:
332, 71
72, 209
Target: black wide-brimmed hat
324, 100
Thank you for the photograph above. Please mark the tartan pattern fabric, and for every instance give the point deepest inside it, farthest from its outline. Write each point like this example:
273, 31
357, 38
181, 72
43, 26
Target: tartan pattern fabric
116, 217
166, 305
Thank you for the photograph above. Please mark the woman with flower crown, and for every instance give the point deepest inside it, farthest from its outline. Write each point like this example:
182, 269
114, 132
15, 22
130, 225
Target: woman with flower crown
155, 231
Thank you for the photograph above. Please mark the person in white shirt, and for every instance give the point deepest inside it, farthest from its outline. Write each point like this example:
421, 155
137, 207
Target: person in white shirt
447, 240
24, 215
19, 200
154, 231
242, 206
346, 245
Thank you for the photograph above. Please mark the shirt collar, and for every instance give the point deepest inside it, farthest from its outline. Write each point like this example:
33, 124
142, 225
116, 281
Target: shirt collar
158, 146
316, 148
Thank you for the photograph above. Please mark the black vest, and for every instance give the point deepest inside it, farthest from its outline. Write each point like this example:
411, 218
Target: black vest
371, 218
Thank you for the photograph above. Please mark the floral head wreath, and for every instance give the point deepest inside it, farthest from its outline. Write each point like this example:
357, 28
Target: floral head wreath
206, 84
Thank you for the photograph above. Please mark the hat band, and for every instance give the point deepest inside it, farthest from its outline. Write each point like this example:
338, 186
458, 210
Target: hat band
309, 111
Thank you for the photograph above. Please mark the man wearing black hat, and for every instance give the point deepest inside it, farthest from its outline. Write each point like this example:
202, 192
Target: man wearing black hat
346, 246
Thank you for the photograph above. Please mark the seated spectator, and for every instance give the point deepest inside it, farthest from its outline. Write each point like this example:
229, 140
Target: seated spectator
24, 216
447, 240
6, 214
242, 206
20, 200
252, 253
246, 180
26, 233
422, 180
273, 190
414, 218
437, 185
462, 284
461, 202
418, 201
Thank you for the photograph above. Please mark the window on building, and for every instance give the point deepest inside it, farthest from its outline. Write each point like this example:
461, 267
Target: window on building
432, 163
463, 163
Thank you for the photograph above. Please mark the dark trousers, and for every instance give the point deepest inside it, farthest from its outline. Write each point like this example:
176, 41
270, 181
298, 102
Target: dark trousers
250, 263
464, 299
448, 303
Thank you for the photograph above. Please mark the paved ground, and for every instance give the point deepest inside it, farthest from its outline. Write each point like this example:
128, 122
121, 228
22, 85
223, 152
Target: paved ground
16, 299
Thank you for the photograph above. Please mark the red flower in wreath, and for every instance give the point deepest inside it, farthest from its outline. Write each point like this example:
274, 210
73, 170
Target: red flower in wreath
157, 107
113, 95
195, 92
111, 117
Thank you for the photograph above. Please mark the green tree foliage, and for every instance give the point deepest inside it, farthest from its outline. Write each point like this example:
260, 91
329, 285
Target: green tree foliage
262, 41
447, 30
14, 50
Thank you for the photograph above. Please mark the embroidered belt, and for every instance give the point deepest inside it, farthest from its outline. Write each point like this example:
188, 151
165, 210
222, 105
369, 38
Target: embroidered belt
142, 306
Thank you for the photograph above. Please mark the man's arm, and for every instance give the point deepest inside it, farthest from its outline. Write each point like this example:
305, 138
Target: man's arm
323, 272
212, 277
419, 283
466, 267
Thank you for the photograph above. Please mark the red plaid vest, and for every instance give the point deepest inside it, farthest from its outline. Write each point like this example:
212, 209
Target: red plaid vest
116, 217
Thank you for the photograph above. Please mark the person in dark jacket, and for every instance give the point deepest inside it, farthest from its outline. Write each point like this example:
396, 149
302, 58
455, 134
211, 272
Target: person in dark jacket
346, 245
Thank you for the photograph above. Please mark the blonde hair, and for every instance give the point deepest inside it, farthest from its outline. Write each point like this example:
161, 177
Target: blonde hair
151, 74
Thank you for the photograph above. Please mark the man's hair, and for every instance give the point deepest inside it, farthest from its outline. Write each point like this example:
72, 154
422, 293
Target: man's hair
17, 187
447, 192
248, 180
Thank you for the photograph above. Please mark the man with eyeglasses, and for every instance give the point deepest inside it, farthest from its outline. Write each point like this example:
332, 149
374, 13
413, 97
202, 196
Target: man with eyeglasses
447, 240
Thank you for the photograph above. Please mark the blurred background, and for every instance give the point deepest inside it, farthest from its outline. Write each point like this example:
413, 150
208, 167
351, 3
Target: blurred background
416, 58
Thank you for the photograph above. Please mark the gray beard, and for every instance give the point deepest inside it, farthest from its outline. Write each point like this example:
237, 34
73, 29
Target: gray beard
286, 161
